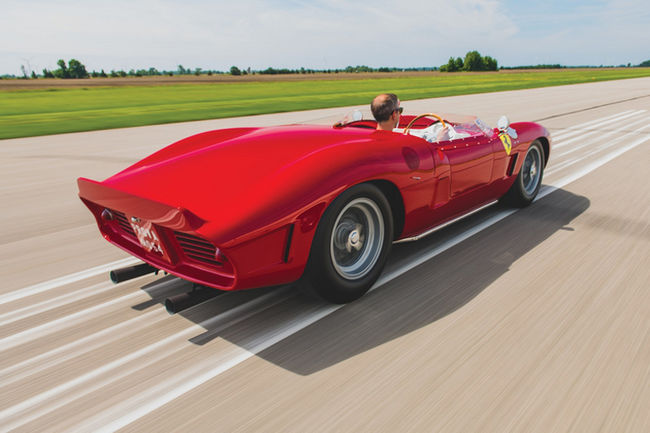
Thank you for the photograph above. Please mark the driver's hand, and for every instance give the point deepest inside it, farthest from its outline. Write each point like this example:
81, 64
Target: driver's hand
443, 134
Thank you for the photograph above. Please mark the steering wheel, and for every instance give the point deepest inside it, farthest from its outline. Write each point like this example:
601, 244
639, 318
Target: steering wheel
416, 118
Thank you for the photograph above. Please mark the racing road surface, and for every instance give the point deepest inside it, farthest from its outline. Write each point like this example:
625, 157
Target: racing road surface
511, 320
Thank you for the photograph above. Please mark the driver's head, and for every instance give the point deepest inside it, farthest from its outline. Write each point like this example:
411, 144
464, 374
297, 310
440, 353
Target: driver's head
386, 110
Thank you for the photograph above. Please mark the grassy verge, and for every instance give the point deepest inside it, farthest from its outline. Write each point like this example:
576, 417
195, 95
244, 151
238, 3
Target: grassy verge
50, 111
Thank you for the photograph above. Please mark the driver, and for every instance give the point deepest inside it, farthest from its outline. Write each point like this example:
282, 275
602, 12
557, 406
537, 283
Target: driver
386, 110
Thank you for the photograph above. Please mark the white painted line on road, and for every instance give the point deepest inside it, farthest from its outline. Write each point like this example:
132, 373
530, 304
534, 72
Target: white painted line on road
50, 304
51, 327
90, 342
146, 402
599, 162
33, 407
123, 414
583, 125
571, 131
559, 143
67, 279
58, 301
599, 149
603, 137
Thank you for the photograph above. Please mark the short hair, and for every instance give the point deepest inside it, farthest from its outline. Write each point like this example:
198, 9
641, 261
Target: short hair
383, 106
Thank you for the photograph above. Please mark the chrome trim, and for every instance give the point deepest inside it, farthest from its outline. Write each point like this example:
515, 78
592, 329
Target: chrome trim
442, 226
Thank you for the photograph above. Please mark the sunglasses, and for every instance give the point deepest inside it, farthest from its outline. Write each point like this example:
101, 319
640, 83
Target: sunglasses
400, 109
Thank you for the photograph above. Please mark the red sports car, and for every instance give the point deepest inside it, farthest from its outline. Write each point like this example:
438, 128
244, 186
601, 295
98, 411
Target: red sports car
248, 207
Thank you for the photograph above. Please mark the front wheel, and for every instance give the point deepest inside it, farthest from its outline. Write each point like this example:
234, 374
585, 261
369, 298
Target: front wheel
529, 180
351, 244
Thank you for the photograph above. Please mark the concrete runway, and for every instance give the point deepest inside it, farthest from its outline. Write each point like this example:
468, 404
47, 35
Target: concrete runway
511, 320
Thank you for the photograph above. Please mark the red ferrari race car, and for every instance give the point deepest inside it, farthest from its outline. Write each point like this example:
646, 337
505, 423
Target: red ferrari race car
249, 207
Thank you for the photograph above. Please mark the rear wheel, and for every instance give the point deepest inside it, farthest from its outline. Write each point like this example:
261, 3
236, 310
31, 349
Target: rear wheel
351, 245
529, 180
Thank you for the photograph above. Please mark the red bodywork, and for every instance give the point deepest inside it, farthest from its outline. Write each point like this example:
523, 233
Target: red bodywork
237, 208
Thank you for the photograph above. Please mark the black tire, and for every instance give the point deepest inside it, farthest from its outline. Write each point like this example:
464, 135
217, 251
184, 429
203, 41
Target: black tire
351, 245
529, 179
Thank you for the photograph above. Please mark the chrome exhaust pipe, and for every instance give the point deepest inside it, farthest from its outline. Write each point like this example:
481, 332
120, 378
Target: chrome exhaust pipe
130, 272
184, 301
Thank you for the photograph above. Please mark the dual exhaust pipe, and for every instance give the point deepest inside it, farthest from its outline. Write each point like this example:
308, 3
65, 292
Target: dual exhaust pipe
131, 272
173, 304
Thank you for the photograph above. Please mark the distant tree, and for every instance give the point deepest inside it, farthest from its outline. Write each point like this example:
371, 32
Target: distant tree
489, 64
34, 76
473, 61
645, 64
234, 70
103, 74
24, 71
197, 71
62, 72
182, 70
77, 69
458, 64
451, 65
47, 74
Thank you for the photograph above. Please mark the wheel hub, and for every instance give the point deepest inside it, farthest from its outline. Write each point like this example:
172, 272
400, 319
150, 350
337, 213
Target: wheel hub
357, 239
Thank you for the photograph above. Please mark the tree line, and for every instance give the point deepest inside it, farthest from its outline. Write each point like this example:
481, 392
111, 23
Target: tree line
75, 69
473, 61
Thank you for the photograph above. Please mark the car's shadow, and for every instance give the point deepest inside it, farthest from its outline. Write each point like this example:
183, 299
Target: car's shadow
407, 303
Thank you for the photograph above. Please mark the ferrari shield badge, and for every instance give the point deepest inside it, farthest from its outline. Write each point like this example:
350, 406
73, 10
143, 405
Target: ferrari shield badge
506, 133
507, 142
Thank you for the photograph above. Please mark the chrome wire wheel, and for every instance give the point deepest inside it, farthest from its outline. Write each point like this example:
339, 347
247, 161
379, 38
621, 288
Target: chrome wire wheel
357, 238
531, 171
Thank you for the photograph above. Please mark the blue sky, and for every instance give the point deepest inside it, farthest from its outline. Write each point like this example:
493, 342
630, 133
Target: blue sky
125, 34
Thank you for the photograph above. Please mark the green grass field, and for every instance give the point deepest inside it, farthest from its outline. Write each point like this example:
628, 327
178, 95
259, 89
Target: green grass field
50, 111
